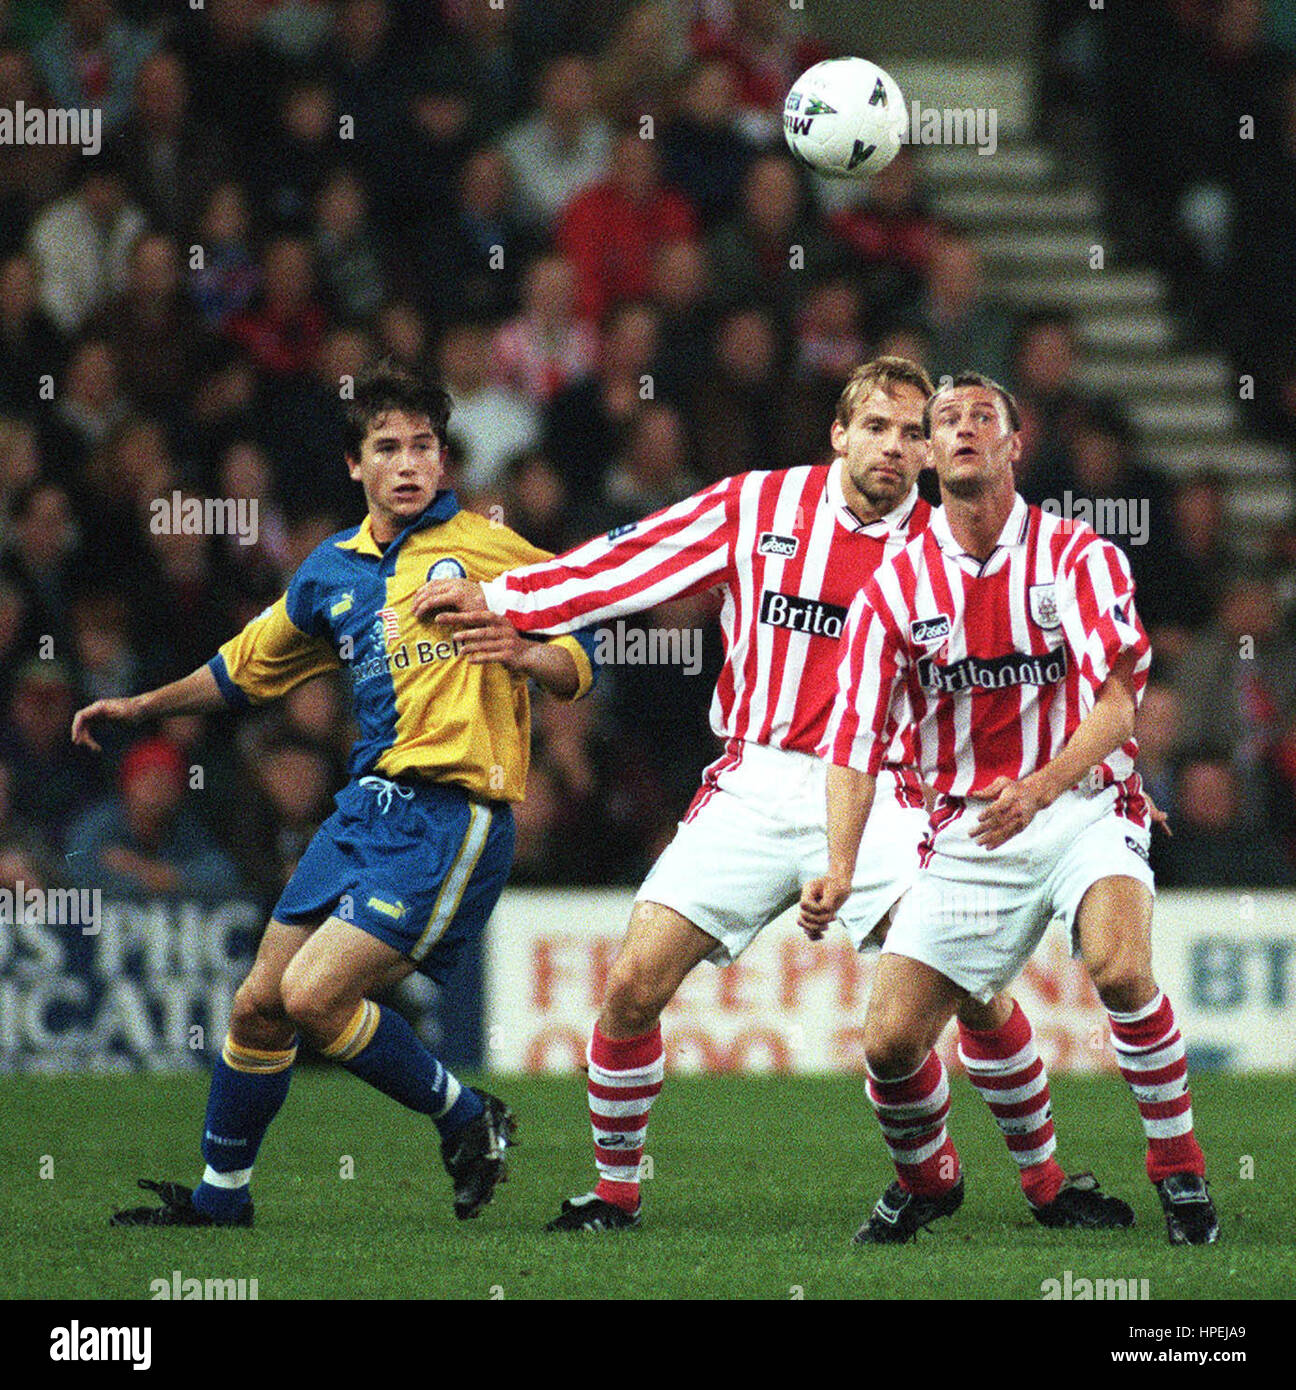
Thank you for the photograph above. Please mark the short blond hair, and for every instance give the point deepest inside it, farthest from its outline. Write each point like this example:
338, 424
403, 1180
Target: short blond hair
885, 373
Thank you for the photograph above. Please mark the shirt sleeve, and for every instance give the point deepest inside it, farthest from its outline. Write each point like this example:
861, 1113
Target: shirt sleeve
272, 655
870, 686
1095, 594
681, 550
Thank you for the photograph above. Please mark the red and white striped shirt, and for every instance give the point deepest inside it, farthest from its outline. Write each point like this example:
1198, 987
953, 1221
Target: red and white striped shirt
789, 555
993, 665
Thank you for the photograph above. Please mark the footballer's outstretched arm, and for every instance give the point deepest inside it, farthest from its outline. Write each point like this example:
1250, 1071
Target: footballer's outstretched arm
681, 550
196, 693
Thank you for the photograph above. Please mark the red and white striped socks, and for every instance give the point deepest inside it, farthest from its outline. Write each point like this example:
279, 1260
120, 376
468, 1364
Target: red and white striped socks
1009, 1074
625, 1076
1150, 1052
912, 1111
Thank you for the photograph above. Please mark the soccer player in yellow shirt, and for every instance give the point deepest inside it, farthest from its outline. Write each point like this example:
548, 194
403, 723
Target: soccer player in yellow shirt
411, 863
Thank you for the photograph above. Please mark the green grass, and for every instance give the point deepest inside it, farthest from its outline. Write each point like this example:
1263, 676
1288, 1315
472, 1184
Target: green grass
758, 1184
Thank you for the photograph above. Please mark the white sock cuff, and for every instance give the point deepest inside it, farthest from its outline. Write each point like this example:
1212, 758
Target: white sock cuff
240, 1177
1138, 1015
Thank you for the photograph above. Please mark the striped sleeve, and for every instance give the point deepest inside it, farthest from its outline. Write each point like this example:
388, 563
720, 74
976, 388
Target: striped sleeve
1096, 606
680, 550
869, 680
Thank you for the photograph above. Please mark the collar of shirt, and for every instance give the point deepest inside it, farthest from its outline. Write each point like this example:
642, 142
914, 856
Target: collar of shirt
1013, 533
442, 507
893, 523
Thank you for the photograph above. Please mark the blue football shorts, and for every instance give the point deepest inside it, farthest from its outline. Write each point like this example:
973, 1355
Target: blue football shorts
418, 865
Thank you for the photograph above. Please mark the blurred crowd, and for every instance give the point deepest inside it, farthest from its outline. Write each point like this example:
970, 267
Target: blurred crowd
584, 218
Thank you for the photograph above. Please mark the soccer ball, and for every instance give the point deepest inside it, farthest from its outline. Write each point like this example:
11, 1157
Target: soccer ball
845, 118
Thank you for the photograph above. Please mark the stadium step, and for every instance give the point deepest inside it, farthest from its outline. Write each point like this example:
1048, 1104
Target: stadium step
975, 207
1015, 165
1082, 290
1158, 376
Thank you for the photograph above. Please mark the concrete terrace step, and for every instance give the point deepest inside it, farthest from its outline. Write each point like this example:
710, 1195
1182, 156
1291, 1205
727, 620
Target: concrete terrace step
1184, 417
1090, 289
1241, 458
1009, 251
962, 166
1158, 376
1018, 207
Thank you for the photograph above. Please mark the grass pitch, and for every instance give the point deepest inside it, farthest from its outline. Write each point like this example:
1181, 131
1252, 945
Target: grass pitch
758, 1184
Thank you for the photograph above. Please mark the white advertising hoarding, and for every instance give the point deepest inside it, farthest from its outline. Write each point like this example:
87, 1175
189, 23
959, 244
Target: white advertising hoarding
1227, 960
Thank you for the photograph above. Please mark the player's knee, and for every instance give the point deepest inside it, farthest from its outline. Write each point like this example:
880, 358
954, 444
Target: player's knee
312, 1007
891, 1050
634, 998
1123, 979
257, 1018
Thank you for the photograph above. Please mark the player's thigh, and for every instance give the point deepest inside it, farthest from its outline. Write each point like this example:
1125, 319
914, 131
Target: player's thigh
661, 946
280, 942
909, 1005
338, 965
1113, 927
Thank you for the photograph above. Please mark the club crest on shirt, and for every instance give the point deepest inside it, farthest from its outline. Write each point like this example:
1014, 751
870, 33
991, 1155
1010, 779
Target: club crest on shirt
386, 627
1043, 606
929, 629
447, 568
783, 547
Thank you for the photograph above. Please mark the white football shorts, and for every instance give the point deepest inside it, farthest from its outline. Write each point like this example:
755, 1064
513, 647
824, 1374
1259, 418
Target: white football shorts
976, 915
757, 830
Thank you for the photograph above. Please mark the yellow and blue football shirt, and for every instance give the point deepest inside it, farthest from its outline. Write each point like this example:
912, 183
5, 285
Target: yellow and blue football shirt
423, 710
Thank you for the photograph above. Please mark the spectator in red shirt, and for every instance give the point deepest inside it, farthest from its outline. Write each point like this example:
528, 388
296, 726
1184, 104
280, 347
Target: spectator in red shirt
283, 333
611, 230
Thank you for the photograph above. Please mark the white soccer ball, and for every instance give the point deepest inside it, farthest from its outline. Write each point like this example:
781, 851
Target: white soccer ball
845, 118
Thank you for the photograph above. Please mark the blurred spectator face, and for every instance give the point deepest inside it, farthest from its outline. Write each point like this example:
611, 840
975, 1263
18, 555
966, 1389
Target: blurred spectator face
361, 27
832, 310
1046, 359
340, 205
566, 95
537, 490
1159, 722
746, 348
41, 708
183, 558
308, 113
99, 630
92, 377
1237, 27
760, 18
1250, 608
1098, 458
89, 20
296, 782
289, 275
484, 188
18, 287
636, 172
161, 93
139, 461
103, 194
772, 195
1208, 795
905, 342
657, 446
679, 277
154, 269
464, 356
152, 795
17, 81
6, 793
245, 471
225, 218
234, 21
1199, 514
402, 332
630, 342
12, 612
44, 531
309, 535
17, 865
314, 710
345, 353
549, 291
19, 454
709, 96
954, 274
